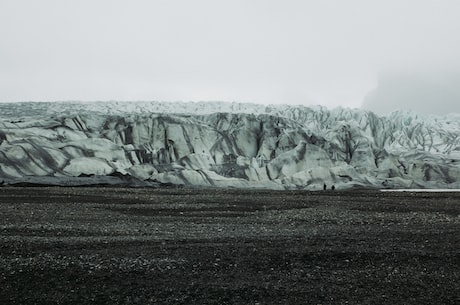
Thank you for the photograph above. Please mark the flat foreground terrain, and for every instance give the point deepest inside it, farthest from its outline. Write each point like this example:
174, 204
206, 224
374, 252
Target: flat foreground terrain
182, 246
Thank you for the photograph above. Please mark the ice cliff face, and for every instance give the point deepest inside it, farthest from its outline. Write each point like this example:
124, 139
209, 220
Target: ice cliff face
226, 145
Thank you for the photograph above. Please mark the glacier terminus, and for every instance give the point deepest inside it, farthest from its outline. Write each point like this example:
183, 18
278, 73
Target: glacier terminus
217, 144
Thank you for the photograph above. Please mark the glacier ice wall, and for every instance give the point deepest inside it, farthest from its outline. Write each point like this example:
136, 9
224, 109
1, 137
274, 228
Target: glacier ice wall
227, 145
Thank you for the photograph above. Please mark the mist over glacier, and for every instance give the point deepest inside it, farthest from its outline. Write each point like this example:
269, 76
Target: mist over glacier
425, 91
216, 144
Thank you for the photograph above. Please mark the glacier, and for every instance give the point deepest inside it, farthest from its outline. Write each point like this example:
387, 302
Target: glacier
218, 144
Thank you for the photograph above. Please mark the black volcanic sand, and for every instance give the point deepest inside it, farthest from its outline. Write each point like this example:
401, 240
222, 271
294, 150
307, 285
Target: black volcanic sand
182, 246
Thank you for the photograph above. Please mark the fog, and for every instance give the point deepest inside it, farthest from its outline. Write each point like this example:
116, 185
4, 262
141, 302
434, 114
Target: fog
426, 92
330, 52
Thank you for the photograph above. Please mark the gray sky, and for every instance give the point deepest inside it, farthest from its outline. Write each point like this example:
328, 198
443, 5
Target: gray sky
328, 52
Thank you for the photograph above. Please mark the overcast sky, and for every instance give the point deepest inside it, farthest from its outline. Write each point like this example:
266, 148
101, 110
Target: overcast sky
328, 52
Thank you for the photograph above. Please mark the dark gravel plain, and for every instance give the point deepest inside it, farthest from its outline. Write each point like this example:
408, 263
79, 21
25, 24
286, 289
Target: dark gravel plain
185, 246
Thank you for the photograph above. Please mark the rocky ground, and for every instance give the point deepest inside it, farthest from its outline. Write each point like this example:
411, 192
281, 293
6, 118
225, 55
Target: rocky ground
184, 246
